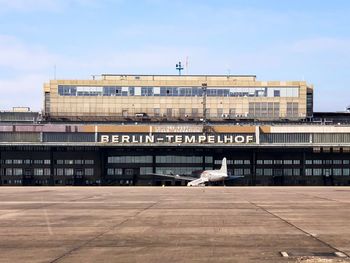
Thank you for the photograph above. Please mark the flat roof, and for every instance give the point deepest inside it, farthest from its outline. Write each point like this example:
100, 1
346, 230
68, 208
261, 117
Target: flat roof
176, 75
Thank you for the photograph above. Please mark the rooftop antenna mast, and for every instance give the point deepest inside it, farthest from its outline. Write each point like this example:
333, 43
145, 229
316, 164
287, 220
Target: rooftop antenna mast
94, 77
179, 67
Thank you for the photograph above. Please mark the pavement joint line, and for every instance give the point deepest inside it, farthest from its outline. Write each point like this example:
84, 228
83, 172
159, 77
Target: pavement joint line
103, 233
300, 229
323, 198
43, 206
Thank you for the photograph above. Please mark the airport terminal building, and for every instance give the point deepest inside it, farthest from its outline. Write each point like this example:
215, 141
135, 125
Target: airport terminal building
122, 129
177, 98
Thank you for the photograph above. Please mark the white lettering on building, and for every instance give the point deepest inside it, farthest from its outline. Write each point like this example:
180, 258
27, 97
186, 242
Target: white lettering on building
115, 138
178, 139
169, 138
250, 138
125, 139
239, 139
104, 138
211, 139
187, 139
190, 139
149, 139
228, 139
202, 138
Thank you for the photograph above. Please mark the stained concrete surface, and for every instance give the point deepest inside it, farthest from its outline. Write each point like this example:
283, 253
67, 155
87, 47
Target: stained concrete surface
174, 224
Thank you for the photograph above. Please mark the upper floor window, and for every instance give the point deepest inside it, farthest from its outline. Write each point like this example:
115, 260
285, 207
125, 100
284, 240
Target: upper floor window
248, 91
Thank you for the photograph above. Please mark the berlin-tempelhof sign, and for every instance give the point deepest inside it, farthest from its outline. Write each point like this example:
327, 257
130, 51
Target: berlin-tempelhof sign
179, 139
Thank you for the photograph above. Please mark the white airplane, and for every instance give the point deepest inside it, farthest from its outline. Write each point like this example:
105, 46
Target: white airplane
206, 176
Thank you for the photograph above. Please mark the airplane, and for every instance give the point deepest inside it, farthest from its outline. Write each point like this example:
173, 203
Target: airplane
205, 176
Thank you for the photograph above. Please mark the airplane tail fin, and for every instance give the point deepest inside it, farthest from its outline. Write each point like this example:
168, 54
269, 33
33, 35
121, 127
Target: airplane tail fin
223, 168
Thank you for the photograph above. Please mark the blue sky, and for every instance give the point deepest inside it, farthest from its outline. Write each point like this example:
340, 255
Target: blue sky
273, 39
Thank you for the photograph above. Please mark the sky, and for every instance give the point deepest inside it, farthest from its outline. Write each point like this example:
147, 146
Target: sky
272, 39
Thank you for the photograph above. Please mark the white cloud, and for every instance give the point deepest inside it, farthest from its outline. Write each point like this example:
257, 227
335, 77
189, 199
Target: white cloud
33, 65
149, 59
15, 55
26, 90
29, 67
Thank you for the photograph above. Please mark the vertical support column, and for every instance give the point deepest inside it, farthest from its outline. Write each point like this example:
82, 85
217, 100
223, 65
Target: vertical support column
303, 162
52, 169
102, 158
253, 168
203, 161
253, 165
257, 134
96, 133
154, 163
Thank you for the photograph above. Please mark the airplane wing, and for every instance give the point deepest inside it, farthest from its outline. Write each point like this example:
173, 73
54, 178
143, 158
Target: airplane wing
175, 176
234, 177
198, 182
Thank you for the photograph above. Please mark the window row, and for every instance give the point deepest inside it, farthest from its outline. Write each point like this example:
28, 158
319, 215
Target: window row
25, 161
21, 171
160, 159
74, 172
15, 181
233, 162
307, 162
72, 182
327, 172
278, 162
277, 172
239, 172
308, 172
75, 162
180, 170
179, 159
45, 162
178, 91
119, 171
130, 159
320, 162
46, 182
264, 109
114, 171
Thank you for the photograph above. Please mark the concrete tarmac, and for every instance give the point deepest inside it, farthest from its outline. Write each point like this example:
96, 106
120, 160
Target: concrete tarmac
174, 224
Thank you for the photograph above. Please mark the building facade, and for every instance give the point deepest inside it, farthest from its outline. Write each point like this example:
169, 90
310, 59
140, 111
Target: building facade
113, 154
177, 98
123, 129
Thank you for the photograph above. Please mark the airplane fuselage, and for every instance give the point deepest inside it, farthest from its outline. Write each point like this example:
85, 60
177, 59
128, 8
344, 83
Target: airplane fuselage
209, 176
213, 176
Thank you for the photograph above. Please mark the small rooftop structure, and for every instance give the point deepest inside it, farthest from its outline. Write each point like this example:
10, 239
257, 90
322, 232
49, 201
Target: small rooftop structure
21, 109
